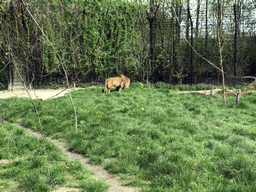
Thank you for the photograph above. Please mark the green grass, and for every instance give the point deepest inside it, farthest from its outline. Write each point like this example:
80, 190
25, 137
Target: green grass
30, 167
182, 144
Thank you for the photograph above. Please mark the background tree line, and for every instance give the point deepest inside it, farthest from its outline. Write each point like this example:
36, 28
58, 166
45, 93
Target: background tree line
96, 38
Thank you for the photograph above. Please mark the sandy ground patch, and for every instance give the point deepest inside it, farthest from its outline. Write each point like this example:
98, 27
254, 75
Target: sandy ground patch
36, 94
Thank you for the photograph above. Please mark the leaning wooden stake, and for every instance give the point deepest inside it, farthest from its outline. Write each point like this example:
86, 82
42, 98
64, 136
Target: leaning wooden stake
238, 95
211, 94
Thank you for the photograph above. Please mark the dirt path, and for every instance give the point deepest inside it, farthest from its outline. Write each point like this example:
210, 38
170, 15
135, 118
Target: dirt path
98, 171
36, 94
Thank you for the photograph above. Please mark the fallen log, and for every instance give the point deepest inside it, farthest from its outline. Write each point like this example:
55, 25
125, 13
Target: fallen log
203, 92
232, 92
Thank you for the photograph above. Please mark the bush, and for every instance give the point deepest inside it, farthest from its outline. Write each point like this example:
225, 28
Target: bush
202, 86
183, 87
83, 85
161, 85
137, 84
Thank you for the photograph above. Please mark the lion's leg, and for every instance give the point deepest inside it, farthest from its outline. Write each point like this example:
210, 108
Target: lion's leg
106, 86
107, 90
109, 87
127, 83
121, 86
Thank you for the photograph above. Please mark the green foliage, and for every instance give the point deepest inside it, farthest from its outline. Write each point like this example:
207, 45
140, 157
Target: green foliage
137, 84
92, 38
92, 185
3, 74
161, 85
183, 87
96, 35
202, 86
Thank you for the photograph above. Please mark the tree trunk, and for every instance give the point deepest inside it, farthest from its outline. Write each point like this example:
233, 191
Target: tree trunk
220, 39
187, 23
192, 52
197, 17
222, 73
206, 23
235, 46
151, 19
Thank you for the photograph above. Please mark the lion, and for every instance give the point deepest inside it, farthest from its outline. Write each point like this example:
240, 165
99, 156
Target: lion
119, 82
113, 82
126, 81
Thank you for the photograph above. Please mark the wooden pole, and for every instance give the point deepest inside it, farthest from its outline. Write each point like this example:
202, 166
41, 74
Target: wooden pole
235, 48
211, 95
238, 95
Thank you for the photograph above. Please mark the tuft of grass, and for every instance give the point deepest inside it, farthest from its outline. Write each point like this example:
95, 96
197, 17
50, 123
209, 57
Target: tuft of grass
92, 185
97, 160
36, 180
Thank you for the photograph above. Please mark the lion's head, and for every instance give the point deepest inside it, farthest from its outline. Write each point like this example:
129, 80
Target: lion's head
126, 81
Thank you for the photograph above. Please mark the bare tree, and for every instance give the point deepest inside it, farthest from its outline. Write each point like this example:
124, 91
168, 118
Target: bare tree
221, 41
197, 17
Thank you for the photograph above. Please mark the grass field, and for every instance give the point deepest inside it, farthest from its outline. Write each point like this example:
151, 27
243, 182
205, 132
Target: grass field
31, 171
177, 143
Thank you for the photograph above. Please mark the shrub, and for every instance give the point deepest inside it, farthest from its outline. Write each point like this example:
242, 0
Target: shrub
83, 85
137, 84
161, 85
